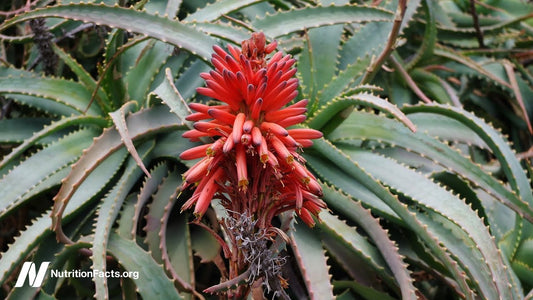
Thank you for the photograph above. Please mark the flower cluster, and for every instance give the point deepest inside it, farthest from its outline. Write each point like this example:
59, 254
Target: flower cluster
252, 162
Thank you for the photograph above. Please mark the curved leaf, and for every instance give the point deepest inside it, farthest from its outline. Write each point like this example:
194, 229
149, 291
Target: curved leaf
107, 213
71, 96
152, 282
154, 26
311, 259
24, 177
309, 17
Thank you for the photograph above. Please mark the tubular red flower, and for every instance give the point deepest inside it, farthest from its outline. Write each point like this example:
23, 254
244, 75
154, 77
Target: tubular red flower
305, 133
222, 116
206, 194
194, 153
242, 169
274, 128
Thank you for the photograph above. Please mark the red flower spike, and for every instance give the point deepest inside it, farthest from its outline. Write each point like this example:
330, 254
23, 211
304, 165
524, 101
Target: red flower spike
253, 164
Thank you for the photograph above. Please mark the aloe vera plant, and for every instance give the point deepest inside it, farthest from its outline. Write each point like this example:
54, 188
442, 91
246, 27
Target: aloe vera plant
401, 131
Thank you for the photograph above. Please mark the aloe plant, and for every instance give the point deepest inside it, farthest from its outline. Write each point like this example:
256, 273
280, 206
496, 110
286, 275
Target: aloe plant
424, 164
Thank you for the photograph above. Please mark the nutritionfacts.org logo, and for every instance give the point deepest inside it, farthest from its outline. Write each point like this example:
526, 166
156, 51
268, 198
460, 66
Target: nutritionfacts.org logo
36, 276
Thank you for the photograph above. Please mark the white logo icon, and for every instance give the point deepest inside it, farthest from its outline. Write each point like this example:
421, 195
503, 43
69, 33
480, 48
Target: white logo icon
35, 278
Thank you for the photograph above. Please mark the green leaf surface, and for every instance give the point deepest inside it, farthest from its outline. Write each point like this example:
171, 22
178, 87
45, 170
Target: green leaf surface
47, 131
224, 31
388, 248
162, 201
25, 176
72, 96
107, 213
129, 221
366, 292
215, 10
152, 282
128, 19
333, 175
326, 112
170, 95
353, 169
352, 250
364, 126
368, 40
83, 77
309, 17
190, 79
156, 225
501, 149
433, 197
19, 129
343, 81
311, 259
40, 227
179, 248
119, 119
140, 77
425, 50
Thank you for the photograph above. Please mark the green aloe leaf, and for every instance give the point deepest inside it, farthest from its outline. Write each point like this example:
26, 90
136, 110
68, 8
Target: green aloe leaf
430, 36
51, 129
156, 227
380, 237
19, 129
170, 95
364, 126
84, 77
311, 259
501, 149
318, 60
69, 96
326, 112
213, 11
41, 227
180, 254
152, 282
310, 17
25, 177
353, 169
224, 31
154, 26
148, 64
107, 213
119, 119
431, 196
129, 218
